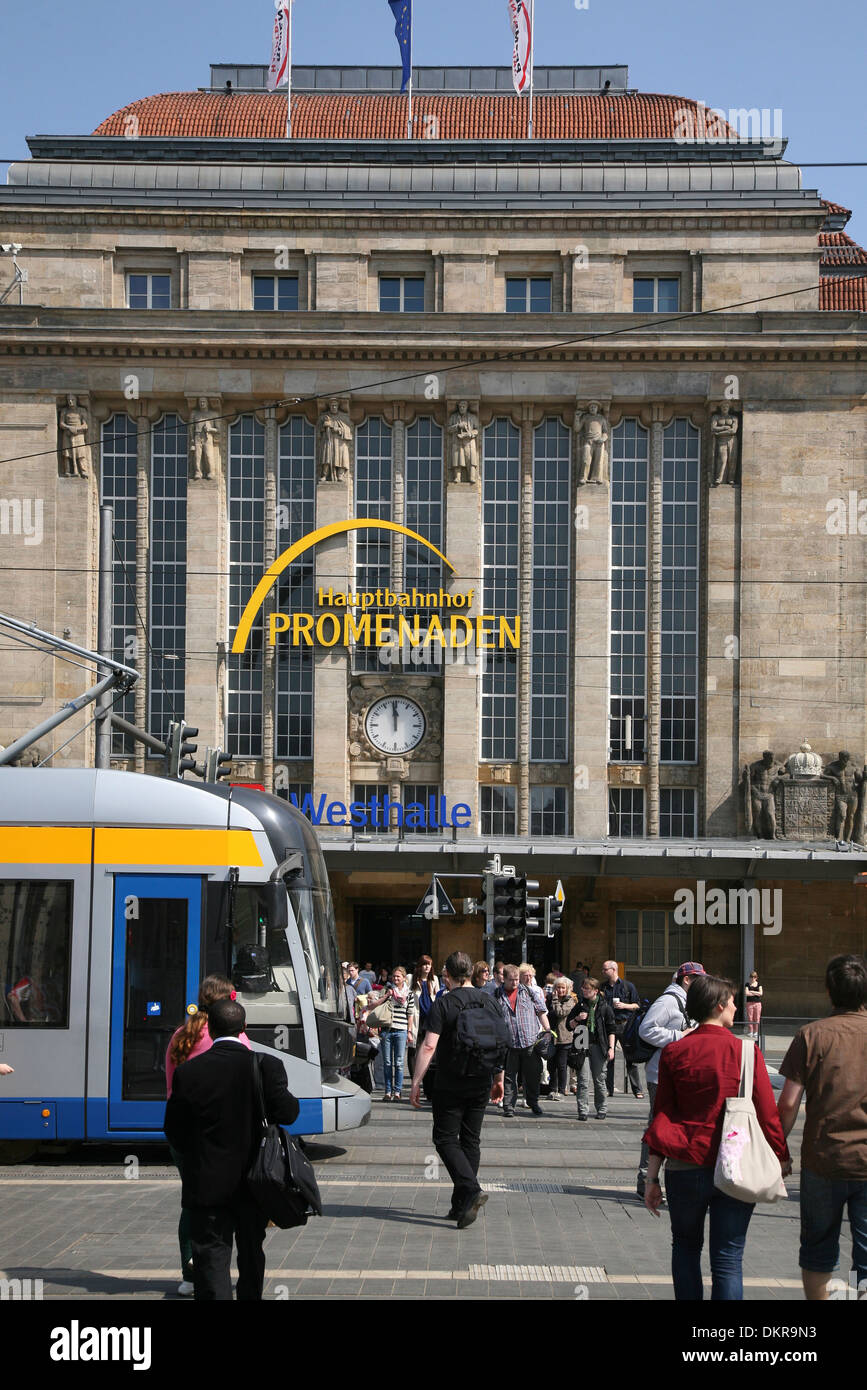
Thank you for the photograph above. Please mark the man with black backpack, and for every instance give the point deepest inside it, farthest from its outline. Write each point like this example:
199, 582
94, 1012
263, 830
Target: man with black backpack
467, 1032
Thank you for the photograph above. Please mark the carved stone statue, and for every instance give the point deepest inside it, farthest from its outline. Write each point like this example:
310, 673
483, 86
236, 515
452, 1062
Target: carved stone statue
335, 438
463, 445
760, 810
804, 763
593, 433
74, 447
724, 430
204, 441
846, 794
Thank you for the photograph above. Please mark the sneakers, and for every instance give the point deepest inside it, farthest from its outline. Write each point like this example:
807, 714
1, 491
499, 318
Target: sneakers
507, 1111
555, 1095
536, 1110
186, 1288
602, 1115
471, 1211
583, 1117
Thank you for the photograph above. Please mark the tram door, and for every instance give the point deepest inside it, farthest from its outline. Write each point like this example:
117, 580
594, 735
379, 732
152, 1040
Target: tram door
155, 976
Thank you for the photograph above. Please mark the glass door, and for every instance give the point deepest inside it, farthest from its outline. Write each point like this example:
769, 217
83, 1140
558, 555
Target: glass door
155, 976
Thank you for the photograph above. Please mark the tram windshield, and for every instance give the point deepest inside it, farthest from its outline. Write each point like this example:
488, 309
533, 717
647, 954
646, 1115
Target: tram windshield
314, 918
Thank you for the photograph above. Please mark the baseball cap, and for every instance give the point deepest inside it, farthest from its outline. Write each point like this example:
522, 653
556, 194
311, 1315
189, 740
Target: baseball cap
689, 967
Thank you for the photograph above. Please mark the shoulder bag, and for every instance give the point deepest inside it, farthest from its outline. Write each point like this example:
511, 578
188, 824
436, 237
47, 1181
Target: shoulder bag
746, 1166
280, 1179
381, 1016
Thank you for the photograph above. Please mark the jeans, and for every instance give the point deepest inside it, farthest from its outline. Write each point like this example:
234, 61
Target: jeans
457, 1127
393, 1052
823, 1201
593, 1066
631, 1067
525, 1064
559, 1069
691, 1194
642, 1162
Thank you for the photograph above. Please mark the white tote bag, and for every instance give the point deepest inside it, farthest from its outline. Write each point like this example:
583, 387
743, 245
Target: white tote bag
746, 1166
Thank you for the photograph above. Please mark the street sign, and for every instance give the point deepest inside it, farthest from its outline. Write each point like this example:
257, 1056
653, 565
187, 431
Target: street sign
435, 903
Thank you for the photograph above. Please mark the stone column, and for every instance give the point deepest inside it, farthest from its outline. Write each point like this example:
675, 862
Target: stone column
269, 660
207, 592
591, 601
462, 679
145, 418
525, 600
659, 417
722, 646
334, 569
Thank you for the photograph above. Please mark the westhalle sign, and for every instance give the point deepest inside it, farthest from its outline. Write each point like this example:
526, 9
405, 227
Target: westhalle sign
380, 617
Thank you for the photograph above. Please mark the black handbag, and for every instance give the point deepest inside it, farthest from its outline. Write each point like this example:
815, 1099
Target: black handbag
280, 1179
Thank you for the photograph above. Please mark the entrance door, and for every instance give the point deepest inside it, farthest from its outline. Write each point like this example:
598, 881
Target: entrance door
390, 936
155, 975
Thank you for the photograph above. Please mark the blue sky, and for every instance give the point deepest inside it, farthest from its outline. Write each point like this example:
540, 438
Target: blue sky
64, 68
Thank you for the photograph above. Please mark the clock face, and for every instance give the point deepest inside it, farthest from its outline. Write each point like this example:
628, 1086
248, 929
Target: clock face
395, 725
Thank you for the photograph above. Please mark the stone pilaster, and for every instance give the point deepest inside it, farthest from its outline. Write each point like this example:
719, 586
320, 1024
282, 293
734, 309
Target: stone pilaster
145, 418
207, 596
334, 569
591, 601
269, 662
398, 494
525, 600
659, 417
462, 680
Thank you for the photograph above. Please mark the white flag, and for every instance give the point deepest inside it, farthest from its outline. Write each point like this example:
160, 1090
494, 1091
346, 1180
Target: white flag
281, 56
522, 56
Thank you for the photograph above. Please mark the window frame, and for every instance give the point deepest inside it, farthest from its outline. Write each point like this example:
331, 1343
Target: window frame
402, 276
511, 278
656, 279
675, 957
493, 831
149, 275
275, 277
7, 1017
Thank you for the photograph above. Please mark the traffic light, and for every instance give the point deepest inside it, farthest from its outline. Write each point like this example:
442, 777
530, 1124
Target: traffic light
217, 764
526, 908
502, 916
553, 916
178, 751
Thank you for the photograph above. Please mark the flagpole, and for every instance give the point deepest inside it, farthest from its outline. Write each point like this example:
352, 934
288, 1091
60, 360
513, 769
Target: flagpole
532, 62
409, 115
289, 79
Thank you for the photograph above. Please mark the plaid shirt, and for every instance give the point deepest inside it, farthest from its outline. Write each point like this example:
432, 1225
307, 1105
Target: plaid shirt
523, 1020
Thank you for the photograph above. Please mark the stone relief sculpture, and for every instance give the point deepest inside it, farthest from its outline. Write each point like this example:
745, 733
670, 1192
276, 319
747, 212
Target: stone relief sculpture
847, 794
335, 438
593, 432
724, 430
760, 810
73, 426
463, 434
204, 441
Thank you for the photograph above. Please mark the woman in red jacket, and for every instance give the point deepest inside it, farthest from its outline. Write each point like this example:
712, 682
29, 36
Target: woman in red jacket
697, 1074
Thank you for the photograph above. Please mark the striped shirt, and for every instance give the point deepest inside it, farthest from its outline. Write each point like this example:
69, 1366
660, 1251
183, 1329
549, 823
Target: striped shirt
401, 1011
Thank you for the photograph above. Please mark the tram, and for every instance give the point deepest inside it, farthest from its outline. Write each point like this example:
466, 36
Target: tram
118, 894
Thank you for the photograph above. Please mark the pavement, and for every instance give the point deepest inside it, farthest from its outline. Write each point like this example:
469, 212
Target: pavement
562, 1220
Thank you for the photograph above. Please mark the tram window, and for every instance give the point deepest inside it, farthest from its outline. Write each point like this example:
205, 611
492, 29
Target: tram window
35, 945
259, 920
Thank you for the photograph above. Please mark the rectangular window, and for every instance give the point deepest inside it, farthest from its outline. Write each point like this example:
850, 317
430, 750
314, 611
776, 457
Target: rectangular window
549, 811
424, 515
680, 593
149, 291
497, 811
655, 295
119, 454
401, 294
528, 294
650, 938
677, 819
168, 559
373, 795
549, 639
297, 789
246, 480
296, 591
35, 949
628, 668
421, 794
372, 547
501, 486
626, 812
275, 292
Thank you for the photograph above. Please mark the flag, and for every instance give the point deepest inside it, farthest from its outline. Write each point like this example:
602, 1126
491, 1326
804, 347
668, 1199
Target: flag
402, 11
522, 55
278, 73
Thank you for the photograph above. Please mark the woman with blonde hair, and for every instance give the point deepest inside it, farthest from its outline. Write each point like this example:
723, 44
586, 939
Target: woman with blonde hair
188, 1041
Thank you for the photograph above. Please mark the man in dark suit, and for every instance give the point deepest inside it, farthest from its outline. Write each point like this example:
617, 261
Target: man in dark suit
212, 1119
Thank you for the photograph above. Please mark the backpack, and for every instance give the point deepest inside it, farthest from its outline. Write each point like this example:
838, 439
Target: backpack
634, 1046
647, 1050
479, 1039
252, 970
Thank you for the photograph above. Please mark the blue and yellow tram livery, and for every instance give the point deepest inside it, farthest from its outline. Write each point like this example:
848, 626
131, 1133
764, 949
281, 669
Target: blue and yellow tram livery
118, 893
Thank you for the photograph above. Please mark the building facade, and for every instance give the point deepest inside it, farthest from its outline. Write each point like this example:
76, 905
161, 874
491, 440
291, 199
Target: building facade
564, 440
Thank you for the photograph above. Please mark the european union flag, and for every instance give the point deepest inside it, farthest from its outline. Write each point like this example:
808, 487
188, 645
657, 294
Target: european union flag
402, 11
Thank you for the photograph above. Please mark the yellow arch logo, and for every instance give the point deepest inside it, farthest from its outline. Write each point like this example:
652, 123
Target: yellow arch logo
272, 574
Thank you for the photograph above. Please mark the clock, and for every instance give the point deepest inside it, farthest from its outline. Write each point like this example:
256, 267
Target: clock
395, 724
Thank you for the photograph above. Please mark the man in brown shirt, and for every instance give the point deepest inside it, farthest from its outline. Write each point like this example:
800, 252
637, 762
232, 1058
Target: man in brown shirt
828, 1060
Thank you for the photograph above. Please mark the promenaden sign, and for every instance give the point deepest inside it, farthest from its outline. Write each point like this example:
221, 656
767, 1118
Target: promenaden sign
394, 618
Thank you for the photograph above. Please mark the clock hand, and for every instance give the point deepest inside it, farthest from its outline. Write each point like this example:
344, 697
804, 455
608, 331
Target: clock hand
394, 714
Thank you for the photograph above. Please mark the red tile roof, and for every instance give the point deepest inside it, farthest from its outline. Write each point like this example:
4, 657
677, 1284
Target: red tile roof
837, 208
843, 292
840, 249
318, 116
